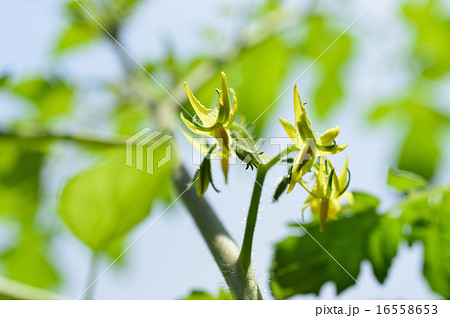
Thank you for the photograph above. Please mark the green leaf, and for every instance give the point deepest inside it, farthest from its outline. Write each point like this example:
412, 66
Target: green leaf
263, 67
421, 149
202, 295
381, 112
78, 33
51, 97
321, 33
20, 166
426, 214
27, 262
256, 76
405, 181
106, 201
432, 41
364, 202
382, 245
301, 266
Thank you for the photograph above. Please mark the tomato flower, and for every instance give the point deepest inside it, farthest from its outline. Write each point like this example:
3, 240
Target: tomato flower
329, 190
215, 122
305, 140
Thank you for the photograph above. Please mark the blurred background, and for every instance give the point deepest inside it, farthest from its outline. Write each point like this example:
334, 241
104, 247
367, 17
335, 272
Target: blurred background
68, 92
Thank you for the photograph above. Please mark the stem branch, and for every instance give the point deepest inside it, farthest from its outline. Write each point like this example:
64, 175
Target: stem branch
246, 250
242, 283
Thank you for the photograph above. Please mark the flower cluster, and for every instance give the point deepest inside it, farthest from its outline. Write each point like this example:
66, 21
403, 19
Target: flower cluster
330, 189
305, 140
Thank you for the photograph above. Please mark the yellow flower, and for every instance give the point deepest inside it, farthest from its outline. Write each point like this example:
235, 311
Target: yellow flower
326, 197
306, 141
215, 122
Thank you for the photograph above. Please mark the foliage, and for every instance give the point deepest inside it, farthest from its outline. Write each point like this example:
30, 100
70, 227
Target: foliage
106, 201
321, 33
404, 180
300, 265
201, 295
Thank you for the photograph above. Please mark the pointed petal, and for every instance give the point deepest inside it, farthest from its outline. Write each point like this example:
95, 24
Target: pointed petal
307, 202
233, 110
327, 138
330, 164
201, 147
335, 185
343, 174
195, 129
302, 121
223, 139
202, 112
291, 132
299, 108
321, 179
303, 162
331, 150
295, 174
225, 98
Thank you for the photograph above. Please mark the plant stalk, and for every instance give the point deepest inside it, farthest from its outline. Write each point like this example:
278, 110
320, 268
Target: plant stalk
93, 267
247, 243
242, 283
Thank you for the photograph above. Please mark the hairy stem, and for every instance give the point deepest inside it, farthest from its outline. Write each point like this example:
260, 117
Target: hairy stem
246, 250
242, 283
245, 255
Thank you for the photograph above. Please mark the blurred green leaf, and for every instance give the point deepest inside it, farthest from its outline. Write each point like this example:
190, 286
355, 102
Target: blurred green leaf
321, 34
427, 216
382, 245
201, 295
301, 266
256, 77
106, 201
364, 202
27, 262
405, 181
421, 149
76, 34
51, 97
129, 116
432, 28
19, 177
263, 67
110, 14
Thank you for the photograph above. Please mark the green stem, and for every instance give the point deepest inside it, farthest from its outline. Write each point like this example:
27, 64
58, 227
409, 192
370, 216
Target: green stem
45, 136
246, 250
245, 255
14, 290
242, 283
93, 267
